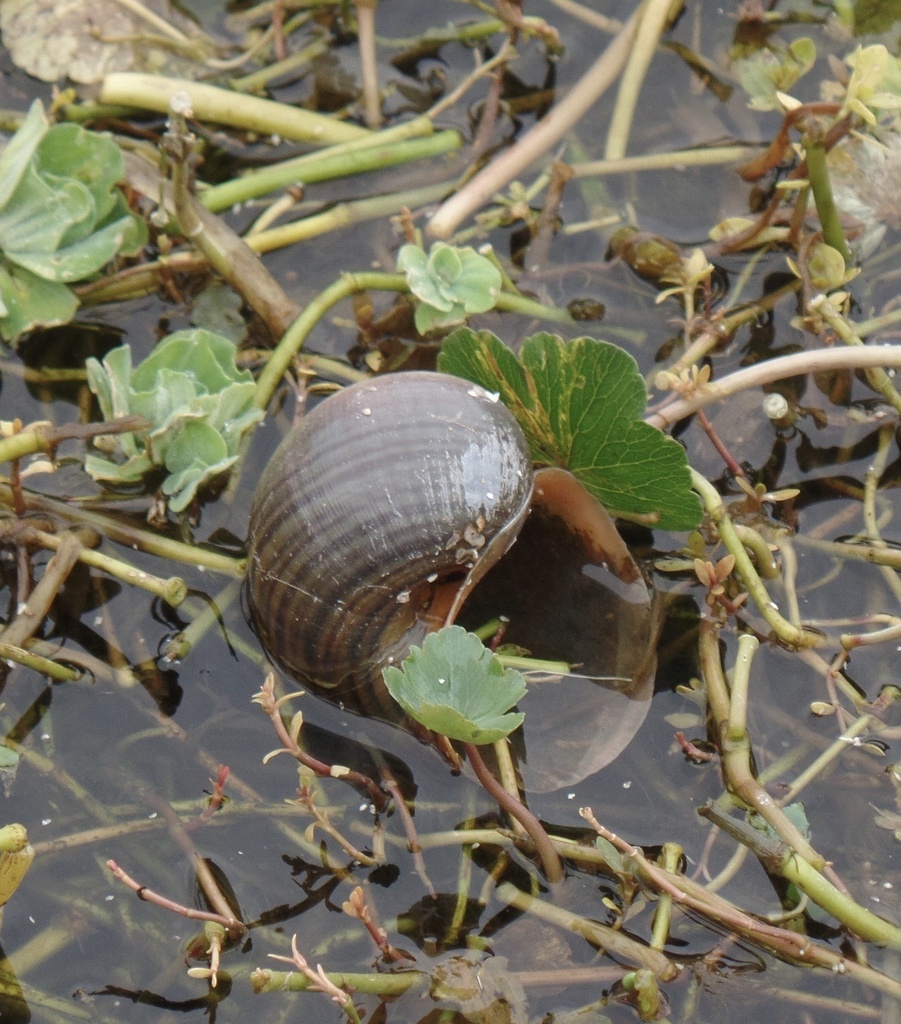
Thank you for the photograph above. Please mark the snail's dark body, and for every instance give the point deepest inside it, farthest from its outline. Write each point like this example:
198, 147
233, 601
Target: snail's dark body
375, 497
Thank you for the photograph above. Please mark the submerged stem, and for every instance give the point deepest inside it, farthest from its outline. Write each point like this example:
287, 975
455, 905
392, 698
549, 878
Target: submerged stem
787, 633
550, 859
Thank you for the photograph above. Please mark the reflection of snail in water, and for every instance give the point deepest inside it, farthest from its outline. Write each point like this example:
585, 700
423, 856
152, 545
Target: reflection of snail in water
379, 513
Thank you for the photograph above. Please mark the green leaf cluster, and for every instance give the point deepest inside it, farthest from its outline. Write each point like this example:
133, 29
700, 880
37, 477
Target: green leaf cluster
456, 687
771, 70
450, 282
62, 218
875, 83
198, 404
580, 405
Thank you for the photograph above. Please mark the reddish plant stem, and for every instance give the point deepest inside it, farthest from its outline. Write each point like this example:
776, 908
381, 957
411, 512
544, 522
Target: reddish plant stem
413, 845
266, 699
550, 859
717, 442
734, 243
143, 893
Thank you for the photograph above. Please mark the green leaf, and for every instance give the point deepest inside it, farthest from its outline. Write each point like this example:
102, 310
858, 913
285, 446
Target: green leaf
429, 318
8, 758
580, 404
196, 456
79, 260
455, 686
444, 267
30, 301
768, 71
62, 218
20, 151
91, 158
478, 283
794, 812
41, 212
450, 282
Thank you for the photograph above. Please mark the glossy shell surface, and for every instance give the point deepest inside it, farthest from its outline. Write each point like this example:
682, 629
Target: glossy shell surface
379, 494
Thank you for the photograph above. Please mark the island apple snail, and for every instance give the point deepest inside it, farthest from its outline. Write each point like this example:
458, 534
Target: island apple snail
380, 512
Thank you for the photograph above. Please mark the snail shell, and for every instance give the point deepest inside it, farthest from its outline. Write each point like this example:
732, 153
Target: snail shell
375, 517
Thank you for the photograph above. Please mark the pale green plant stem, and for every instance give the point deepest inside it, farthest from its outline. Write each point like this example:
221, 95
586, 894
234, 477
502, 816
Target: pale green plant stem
153, 19
654, 17
737, 726
729, 870
464, 886
735, 746
385, 985
172, 590
46, 667
788, 633
818, 176
674, 160
670, 857
878, 323
29, 616
829, 672
880, 380
315, 310
589, 16
885, 444
343, 215
131, 536
504, 55
795, 868
42, 437
789, 579
847, 739
294, 61
222, 106
203, 618
858, 357
316, 167
858, 552
692, 896
524, 664
718, 332
539, 140
345, 286
507, 773
880, 636
608, 939
261, 13
760, 549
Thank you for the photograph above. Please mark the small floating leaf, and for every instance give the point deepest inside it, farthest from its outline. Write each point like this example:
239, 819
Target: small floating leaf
450, 283
455, 686
580, 404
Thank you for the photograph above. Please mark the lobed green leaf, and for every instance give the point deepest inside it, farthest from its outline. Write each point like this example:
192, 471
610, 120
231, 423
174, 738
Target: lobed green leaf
580, 405
455, 686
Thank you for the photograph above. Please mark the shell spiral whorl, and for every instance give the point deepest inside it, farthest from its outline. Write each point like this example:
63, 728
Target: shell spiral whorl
380, 493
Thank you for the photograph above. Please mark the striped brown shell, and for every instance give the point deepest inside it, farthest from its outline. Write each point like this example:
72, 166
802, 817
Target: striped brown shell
377, 499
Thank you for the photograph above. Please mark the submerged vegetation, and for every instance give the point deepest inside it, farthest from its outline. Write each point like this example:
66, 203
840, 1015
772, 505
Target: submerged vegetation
749, 456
